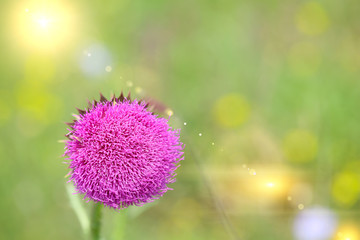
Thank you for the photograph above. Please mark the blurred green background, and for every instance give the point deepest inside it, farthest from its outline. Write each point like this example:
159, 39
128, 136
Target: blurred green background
266, 92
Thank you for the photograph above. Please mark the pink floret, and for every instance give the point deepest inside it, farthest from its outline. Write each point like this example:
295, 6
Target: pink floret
121, 154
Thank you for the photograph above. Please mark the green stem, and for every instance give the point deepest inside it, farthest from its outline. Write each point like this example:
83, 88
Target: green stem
96, 222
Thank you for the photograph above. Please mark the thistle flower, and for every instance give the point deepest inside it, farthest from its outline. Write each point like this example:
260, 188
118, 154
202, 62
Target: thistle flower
121, 154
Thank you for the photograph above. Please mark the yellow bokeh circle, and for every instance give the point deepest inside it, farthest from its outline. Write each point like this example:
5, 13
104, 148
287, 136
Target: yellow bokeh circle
312, 19
231, 110
346, 189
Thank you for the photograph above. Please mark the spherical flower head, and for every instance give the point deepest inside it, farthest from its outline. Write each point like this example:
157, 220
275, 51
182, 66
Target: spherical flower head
122, 154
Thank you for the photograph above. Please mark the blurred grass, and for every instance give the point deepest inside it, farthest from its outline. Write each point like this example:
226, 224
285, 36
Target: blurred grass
296, 64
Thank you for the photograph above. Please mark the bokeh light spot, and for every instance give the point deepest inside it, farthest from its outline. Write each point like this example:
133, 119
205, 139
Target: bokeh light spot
169, 112
348, 232
270, 187
45, 26
43, 21
231, 110
346, 189
138, 90
108, 68
128, 83
315, 224
94, 60
300, 146
312, 19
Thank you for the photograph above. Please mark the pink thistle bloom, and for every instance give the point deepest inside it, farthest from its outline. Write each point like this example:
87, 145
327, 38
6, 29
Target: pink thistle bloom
121, 154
